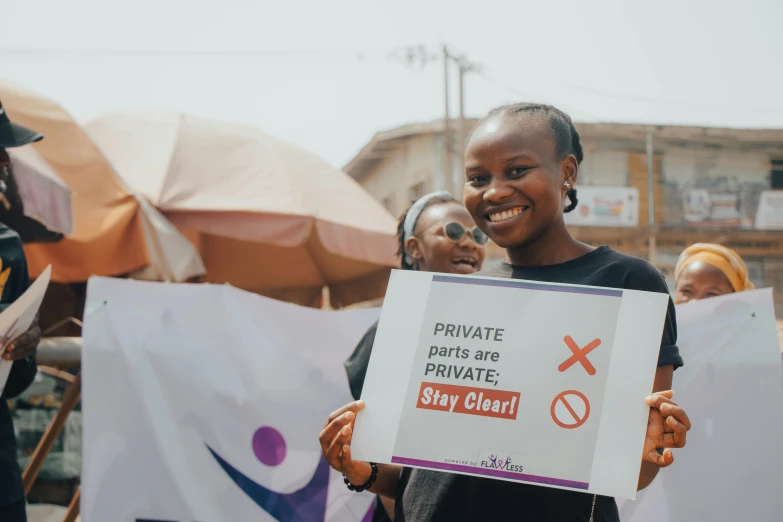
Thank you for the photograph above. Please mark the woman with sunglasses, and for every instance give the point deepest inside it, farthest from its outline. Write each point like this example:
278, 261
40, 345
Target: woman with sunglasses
436, 234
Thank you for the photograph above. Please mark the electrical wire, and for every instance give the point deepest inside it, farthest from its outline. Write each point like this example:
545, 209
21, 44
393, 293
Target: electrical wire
321, 54
422, 53
651, 100
528, 96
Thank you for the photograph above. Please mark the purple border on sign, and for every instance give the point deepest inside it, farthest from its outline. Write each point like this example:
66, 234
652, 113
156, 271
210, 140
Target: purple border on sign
527, 285
490, 472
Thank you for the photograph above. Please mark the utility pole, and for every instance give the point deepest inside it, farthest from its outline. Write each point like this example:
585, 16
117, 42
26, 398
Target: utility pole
420, 56
448, 174
652, 253
461, 132
465, 67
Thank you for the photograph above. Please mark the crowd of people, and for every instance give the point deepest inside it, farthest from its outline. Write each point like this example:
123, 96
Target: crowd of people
521, 167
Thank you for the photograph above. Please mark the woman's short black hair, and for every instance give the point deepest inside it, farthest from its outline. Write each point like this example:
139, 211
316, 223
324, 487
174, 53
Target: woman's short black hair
437, 200
566, 136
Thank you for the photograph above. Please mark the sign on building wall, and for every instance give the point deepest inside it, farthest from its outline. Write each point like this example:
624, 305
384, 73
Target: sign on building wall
769, 215
605, 207
702, 207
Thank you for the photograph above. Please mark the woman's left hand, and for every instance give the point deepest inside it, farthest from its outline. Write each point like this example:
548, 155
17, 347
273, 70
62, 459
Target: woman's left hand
667, 426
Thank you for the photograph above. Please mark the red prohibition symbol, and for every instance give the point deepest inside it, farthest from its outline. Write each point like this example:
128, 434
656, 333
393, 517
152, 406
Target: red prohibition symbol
574, 411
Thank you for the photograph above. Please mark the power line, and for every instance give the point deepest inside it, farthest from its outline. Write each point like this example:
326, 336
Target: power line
707, 141
423, 55
30, 51
528, 96
415, 58
648, 99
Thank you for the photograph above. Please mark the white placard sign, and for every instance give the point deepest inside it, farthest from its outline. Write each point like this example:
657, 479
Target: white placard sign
532, 382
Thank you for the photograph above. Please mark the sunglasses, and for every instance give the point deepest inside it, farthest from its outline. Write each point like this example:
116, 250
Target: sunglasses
455, 232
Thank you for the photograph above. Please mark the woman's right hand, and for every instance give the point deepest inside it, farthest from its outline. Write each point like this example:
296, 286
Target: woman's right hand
335, 441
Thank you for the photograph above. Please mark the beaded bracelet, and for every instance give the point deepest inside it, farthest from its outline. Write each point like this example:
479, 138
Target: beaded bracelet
368, 484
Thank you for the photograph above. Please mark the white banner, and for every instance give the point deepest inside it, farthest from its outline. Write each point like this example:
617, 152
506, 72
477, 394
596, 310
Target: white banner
203, 404
605, 207
732, 389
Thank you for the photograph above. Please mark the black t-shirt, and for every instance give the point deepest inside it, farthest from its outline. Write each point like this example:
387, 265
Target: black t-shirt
356, 365
431, 496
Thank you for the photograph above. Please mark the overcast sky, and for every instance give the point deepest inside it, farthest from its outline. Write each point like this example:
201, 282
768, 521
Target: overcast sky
327, 76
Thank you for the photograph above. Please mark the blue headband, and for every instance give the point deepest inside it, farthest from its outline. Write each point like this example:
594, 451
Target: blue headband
412, 217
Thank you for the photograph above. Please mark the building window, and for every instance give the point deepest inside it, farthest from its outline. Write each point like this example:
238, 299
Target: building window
416, 191
776, 174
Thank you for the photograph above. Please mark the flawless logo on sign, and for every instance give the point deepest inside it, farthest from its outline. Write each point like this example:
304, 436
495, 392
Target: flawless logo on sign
501, 461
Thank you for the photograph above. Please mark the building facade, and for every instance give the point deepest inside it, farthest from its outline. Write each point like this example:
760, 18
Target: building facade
708, 185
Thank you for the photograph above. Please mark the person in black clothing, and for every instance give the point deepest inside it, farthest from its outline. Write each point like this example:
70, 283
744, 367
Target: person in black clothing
14, 280
521, 165
435, 234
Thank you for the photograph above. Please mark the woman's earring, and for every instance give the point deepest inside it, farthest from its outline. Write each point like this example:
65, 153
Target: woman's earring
566, 184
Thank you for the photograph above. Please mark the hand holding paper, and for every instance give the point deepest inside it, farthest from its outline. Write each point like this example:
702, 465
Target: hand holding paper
24, 345
19, 326
335, 441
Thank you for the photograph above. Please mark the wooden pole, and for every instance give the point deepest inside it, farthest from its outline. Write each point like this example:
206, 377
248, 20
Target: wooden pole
73, 507
70, 400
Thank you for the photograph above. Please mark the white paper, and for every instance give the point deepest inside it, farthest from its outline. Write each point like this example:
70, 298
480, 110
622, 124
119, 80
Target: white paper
732, 388
17, 318
577, 426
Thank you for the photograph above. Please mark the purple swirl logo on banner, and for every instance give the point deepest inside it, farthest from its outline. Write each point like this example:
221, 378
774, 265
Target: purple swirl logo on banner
307, 504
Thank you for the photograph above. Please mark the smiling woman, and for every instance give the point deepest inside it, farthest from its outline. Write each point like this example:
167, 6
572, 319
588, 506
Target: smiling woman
520, 220
522, 162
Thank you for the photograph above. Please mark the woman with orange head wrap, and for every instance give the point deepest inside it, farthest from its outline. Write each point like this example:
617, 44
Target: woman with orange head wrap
708, 270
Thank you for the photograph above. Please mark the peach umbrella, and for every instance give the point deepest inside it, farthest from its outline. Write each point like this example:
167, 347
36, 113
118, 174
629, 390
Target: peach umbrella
266, 215
108, 236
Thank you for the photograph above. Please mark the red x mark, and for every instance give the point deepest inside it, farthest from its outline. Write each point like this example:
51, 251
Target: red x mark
580, 354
